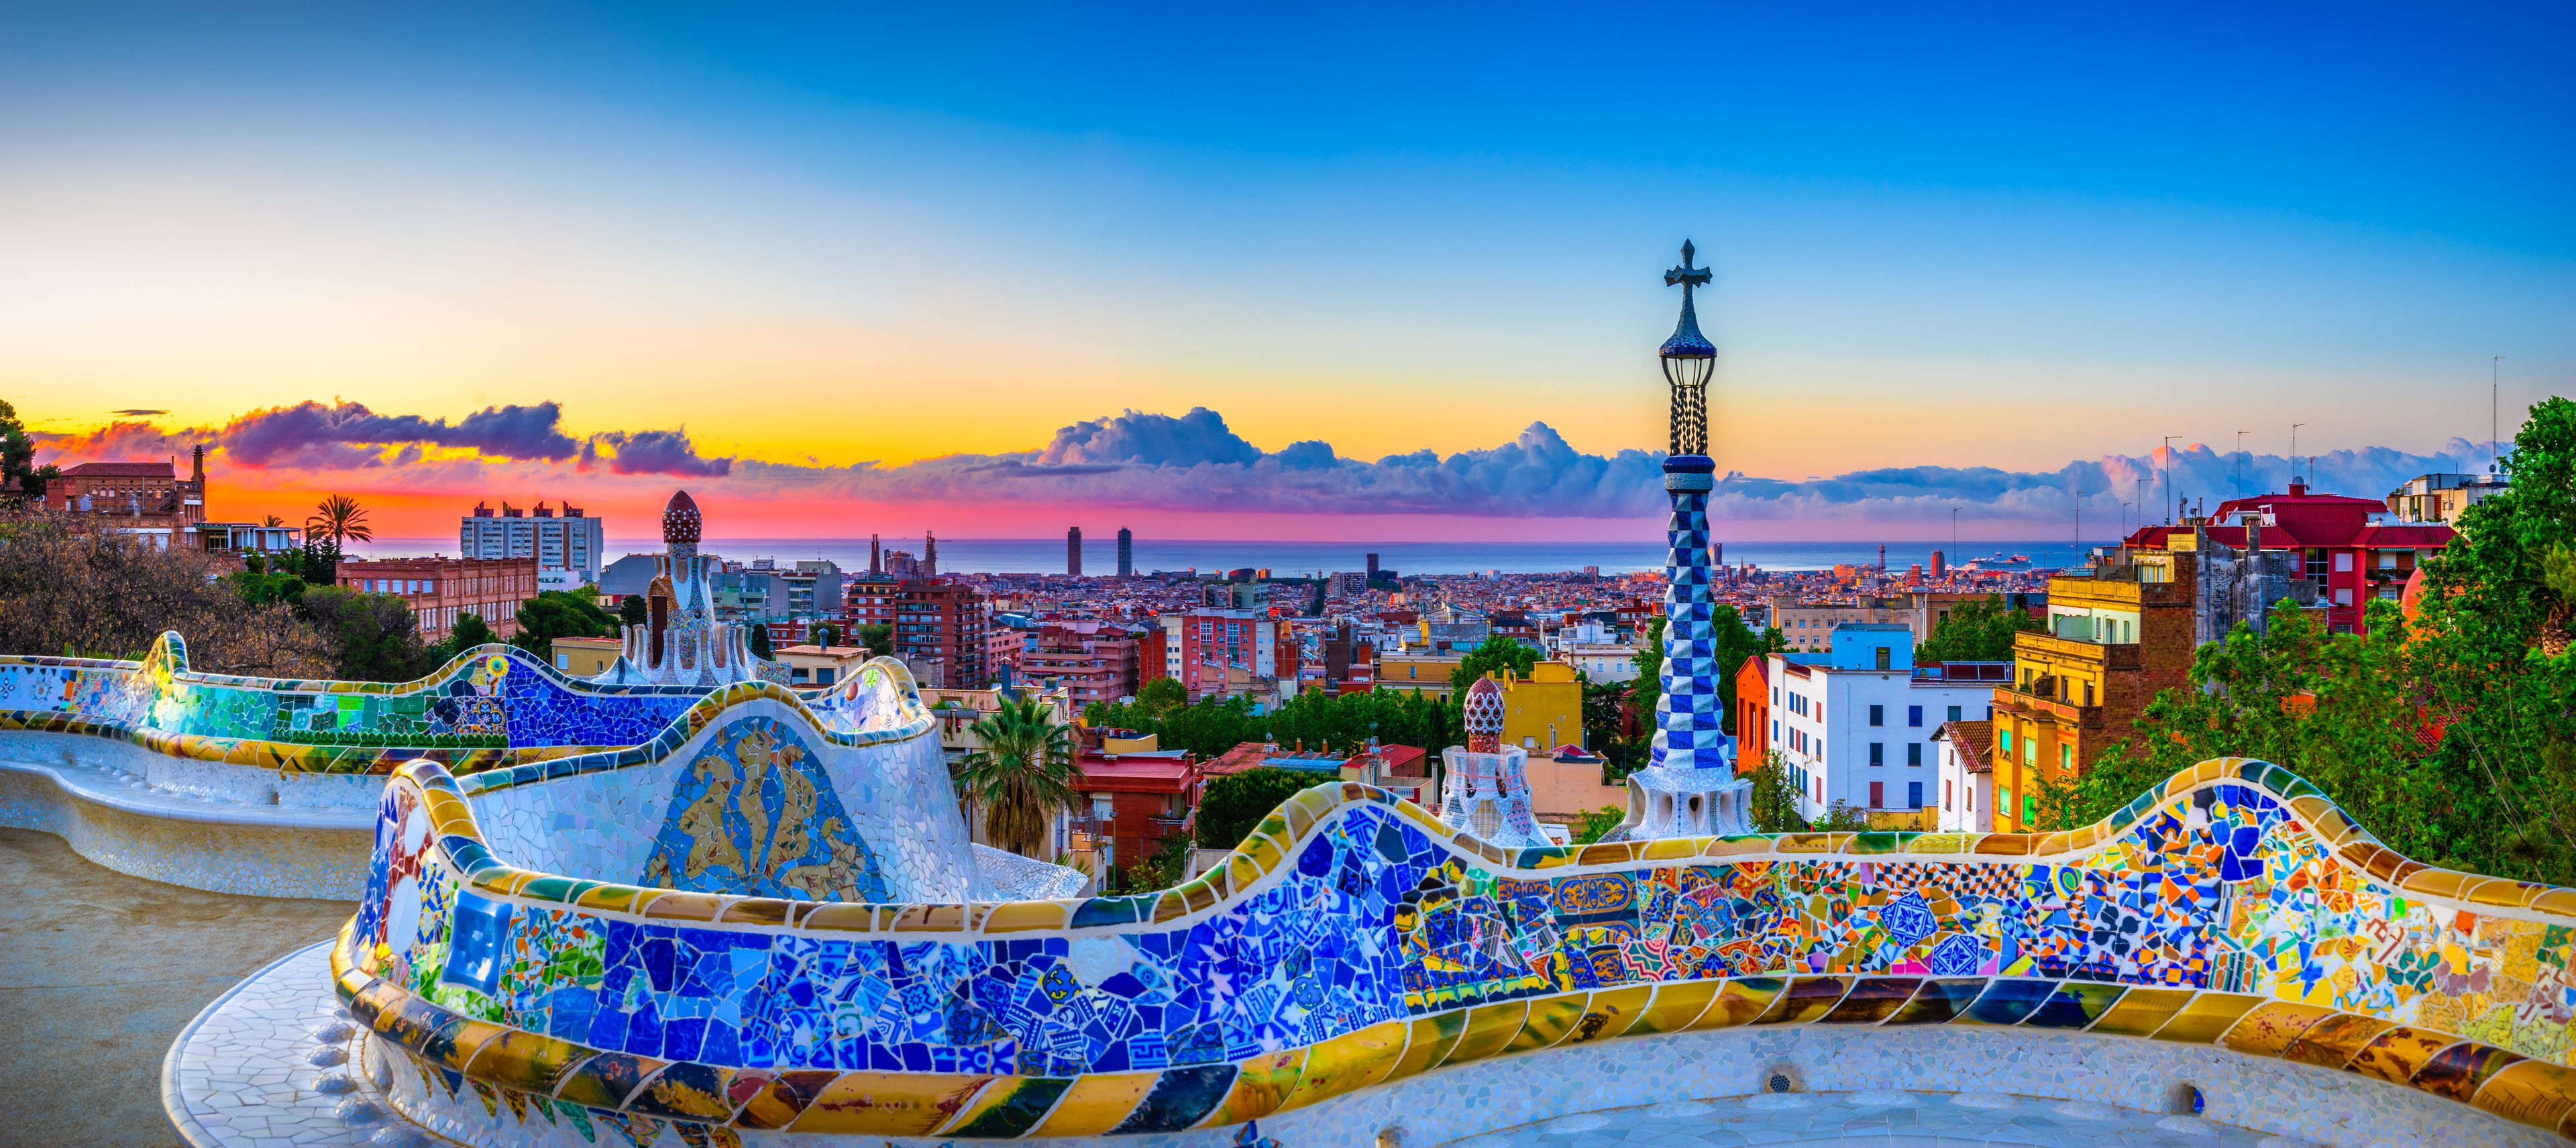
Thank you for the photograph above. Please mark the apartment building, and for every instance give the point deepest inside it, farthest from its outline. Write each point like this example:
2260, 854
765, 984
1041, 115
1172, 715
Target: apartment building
568, 541
1854, 725
441, 590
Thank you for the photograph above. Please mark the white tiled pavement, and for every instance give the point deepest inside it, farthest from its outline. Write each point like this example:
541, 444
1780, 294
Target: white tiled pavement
272, 1064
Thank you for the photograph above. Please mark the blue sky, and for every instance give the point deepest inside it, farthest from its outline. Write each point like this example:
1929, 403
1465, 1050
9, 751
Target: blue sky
2010, 236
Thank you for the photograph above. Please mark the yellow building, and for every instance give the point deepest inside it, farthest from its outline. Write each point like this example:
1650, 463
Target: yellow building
1543, 710
2113, 640
587, 657
1417, 673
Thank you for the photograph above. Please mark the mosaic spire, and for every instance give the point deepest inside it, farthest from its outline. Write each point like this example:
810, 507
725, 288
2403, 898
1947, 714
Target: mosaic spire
1689, 787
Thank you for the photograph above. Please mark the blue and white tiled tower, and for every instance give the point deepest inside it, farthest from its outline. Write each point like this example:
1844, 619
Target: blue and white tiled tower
1689, 788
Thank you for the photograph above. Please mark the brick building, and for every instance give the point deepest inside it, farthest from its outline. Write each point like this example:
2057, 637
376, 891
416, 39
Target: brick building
145, 498
440, 590
1131, 805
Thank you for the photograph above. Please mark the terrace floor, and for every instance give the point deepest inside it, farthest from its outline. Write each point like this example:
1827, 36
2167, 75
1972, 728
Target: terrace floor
98, 973
1879, 1119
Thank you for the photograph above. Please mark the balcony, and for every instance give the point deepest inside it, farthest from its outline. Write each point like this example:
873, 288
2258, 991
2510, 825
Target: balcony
2039, 645
2059, 710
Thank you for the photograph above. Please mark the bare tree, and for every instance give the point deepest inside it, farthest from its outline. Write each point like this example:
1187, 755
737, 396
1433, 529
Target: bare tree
67, 587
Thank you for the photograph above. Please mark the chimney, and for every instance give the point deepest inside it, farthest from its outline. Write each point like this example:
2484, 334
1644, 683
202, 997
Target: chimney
929, 554
197, 471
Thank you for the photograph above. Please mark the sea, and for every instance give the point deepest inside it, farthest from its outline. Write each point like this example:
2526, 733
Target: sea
1299, 559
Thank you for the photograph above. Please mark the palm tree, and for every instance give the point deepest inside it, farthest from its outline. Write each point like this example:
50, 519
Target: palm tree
272, 520
339, 518
1024, 773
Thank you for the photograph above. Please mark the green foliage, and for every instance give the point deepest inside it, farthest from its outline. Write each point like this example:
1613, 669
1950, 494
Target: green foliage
469, 631
2451, 737
756, 637
827, 634
1233, 804
1491, 656
18, 457
1160, 871
556, 614
1650, 667
372, 637
1162, 696
1976, 630
878, 637
1604, 717
1598, 822
1023, 773
633, 610
1775, 801
261, 589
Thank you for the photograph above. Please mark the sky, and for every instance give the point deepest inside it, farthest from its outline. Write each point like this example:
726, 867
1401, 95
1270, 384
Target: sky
1261, 270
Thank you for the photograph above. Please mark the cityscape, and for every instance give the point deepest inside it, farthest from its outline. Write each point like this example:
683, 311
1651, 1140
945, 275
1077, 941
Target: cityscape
665, 699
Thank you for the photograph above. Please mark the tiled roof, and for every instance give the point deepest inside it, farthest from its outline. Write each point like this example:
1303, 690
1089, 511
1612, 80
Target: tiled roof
120, 470
1971, 738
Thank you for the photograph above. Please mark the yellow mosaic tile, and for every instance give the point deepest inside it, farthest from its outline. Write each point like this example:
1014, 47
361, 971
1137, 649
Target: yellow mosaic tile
2142, 1012
1096, 1103
889, 1103
2207, 1017
2269, 1028
1261, 1085
1550, 1021
1348, 1063
2533, 1092
1489, 1027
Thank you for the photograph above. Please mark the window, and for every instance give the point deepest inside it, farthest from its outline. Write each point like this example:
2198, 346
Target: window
2343, 562
2003, 797
2066, 758
1914, 795
1945, 794
563, 661
1878, 753
1877, 799
1878, 715
2003, 741
1954, 713
2030, 751
2026, 808
1914, 716
1883, 662
1913, 753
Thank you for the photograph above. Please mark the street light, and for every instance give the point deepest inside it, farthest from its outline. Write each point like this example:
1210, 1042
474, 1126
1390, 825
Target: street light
1689, 359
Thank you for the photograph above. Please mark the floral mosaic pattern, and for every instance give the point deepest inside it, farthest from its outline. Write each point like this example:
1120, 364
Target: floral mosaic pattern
755, 814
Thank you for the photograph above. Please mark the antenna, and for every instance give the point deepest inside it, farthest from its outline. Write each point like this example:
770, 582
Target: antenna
2495, 420
2240, 462
2294, 450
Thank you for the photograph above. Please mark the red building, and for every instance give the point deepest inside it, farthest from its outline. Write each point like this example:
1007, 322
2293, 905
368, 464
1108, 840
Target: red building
1200, 646
441, 590
146, 498
935, 618
2350, 559
1133, 804
1752, 713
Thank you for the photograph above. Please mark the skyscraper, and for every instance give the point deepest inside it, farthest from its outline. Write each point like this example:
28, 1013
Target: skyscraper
876, 557
1688, 789
1372, 569
929, 554
1073, 552
1126, 553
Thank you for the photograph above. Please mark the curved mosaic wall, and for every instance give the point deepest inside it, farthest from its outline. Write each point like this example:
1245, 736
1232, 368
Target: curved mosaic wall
1353, 941
493, 706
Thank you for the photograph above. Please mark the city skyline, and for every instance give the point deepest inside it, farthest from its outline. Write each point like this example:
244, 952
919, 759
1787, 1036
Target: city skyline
429, 258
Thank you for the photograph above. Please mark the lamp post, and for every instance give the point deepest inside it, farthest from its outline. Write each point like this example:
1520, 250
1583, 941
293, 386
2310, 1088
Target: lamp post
1687, 787
2169, 441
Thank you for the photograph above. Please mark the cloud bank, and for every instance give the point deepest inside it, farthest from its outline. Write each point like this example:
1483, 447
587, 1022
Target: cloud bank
1195, 461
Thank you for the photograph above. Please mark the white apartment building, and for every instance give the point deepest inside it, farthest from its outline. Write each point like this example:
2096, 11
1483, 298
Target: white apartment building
1605, 662
1967, 776
569, 541
1855, 724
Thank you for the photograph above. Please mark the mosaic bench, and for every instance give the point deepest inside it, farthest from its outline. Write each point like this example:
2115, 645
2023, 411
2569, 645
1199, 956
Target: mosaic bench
1353, 948
269, 786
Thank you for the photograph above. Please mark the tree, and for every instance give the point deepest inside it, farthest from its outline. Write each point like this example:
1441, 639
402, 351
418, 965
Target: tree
373, 637
632, 610
469, 631
828, 635
1493, 655
1976, 630
1162, 695
556, 614
1605, 714
67, 588
272, 520
1233, 804
260, 588
18, 458
877, 638
339, 518
756, 636
1598, 822
1024, 773
1776, 797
